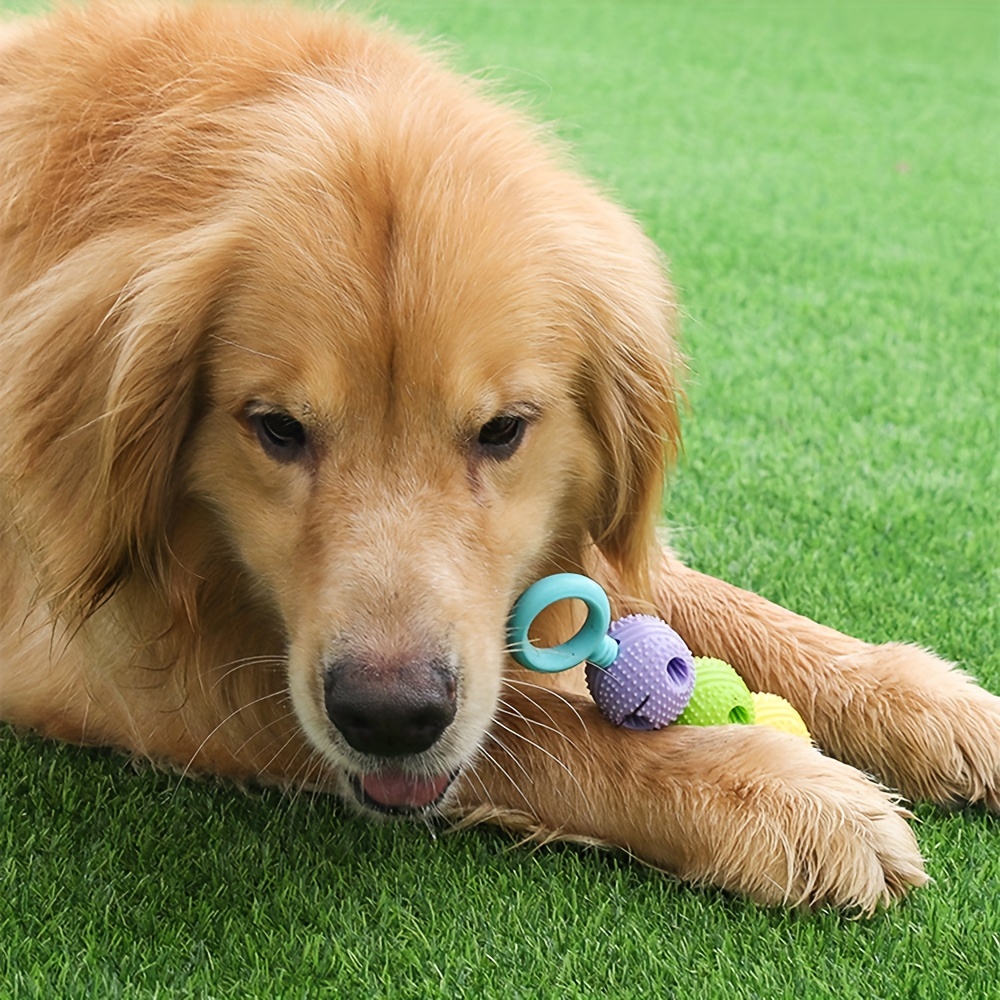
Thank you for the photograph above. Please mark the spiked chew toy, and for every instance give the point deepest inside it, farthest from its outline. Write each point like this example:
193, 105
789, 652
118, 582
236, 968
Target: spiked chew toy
650, 680
720, 696
772, 710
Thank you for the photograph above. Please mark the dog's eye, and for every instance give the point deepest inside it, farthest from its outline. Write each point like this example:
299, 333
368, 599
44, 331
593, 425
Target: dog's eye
501, 436
280, 435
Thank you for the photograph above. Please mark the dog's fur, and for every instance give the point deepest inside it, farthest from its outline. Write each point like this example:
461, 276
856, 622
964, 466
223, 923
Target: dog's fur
213, 219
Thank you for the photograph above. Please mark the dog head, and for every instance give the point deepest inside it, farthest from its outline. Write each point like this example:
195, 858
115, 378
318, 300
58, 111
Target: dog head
389, 356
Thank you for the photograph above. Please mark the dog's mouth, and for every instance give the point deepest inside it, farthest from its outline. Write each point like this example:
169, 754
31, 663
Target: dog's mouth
398, 793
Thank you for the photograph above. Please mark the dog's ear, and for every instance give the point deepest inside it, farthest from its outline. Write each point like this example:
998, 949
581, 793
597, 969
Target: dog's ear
99, 391
631, 393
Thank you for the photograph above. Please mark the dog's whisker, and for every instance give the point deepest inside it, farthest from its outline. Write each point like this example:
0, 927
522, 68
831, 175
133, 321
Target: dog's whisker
427, 819
474, 778
313, 773
512, 755
584, 798
548, 753
269, 658
250, 661
535, 724
274, 722
304, 745
556, 694
472, 775
503, 771
298, 782
524, 688
486, 792
535, 703
186, 770
277, 753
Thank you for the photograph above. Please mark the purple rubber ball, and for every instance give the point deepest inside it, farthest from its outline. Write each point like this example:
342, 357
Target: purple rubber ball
651, 680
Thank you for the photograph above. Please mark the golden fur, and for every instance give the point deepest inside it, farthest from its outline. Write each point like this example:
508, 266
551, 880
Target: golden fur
213, 215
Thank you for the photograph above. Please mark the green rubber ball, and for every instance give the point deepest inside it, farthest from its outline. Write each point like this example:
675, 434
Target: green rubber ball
720, 697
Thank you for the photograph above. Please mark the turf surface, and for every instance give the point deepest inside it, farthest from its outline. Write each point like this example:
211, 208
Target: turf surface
824, 180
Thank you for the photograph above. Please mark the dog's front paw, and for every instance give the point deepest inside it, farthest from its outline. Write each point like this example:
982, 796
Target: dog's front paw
786, 825
922, 726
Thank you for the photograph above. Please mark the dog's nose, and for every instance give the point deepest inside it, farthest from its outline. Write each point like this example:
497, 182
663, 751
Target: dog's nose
390, 709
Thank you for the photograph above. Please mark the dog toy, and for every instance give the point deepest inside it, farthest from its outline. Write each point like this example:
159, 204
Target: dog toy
720, 696
639, 670
772, 710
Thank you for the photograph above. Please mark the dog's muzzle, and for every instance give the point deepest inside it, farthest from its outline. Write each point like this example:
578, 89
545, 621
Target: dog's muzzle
390, 711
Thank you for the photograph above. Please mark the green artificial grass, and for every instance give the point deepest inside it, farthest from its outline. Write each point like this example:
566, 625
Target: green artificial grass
823, 179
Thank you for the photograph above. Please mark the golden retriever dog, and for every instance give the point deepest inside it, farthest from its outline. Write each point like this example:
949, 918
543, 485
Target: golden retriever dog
313, 358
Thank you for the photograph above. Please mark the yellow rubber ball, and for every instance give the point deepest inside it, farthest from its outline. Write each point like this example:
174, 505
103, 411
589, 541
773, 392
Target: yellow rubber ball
720, 696
772, 710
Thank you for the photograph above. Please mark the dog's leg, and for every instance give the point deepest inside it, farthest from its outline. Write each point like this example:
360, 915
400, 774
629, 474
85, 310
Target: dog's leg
744, 808
893, 710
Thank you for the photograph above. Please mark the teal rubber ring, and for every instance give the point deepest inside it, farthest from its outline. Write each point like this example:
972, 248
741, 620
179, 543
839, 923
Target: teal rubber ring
591, 643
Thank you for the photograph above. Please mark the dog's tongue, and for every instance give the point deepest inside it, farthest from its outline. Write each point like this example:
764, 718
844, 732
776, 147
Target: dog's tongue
396, 790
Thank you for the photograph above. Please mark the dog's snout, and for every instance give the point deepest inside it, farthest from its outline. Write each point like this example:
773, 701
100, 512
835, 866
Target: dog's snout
390, 709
